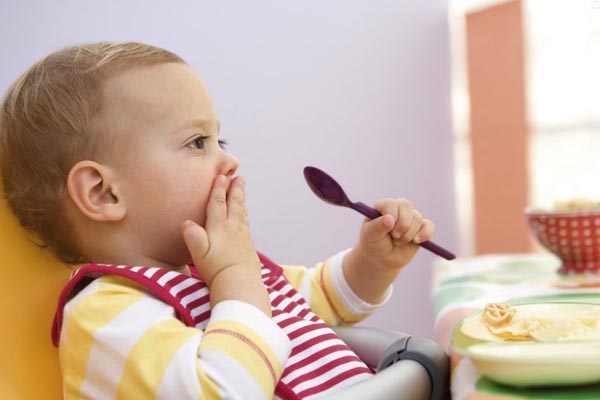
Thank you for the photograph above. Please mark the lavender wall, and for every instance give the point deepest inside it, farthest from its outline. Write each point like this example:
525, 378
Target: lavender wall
358, 88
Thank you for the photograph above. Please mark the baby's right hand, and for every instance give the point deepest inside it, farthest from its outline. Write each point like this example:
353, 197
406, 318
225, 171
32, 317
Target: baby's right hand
223, 251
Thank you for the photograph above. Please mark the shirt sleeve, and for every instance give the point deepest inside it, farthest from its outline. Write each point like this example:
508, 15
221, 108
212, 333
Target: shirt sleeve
326, 290
117, 341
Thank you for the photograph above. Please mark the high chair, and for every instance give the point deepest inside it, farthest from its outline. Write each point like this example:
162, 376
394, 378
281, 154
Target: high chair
408, 367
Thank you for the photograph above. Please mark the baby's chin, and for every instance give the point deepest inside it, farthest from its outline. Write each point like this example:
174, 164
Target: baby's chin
181, 261
175, 255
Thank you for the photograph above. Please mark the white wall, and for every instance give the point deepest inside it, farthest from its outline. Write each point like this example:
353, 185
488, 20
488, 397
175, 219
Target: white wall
358, 88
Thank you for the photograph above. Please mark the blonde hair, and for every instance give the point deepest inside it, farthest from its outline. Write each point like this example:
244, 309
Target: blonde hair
47, 125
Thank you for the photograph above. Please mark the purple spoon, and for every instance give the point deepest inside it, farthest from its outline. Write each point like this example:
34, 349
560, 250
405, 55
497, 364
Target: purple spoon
327, 189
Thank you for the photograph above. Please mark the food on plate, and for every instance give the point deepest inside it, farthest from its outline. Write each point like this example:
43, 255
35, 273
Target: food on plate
498, 314
504, 321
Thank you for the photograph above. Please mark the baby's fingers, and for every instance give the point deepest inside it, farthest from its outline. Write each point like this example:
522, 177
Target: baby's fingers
196, 240
377, 229
408, 233
216, 208
236, 199
425, 233
402, 212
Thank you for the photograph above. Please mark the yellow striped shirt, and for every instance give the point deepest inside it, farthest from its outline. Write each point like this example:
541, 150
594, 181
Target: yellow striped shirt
119, 341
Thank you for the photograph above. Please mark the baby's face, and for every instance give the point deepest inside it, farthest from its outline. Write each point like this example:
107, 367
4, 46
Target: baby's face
165, 154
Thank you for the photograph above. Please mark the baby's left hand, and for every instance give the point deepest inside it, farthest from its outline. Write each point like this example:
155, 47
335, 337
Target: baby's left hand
391, 240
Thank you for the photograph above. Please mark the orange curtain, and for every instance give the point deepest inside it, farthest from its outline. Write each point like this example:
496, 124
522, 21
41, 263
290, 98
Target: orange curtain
495, 62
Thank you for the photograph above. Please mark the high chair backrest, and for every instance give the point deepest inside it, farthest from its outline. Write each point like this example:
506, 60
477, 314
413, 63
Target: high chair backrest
29, 286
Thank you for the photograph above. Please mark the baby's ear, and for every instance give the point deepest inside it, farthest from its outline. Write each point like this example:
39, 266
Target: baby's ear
92, 189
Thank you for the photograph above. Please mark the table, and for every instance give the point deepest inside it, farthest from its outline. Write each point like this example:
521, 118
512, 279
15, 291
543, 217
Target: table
466, 285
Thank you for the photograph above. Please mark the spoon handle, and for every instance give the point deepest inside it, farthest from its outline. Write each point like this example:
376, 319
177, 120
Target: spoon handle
365, 210
372, 213
437, 249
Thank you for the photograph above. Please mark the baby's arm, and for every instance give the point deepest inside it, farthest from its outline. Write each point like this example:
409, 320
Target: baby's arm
240, 333
352, 284
326, 290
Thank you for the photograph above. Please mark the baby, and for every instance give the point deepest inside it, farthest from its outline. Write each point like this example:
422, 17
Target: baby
110, 154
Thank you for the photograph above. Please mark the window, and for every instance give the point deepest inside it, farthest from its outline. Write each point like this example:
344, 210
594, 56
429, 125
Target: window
562, 75
563, 90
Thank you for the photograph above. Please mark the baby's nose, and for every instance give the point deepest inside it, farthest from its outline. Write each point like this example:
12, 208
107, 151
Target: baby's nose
229, 164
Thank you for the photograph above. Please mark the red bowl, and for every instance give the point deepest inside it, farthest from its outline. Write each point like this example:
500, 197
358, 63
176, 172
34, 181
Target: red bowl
574, 236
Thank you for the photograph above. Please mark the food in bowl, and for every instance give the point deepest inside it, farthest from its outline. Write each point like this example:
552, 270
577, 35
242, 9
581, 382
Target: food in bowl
576, 205
572, 232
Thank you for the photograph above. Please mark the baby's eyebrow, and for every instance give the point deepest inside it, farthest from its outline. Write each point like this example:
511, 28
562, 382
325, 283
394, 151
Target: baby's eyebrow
202, 123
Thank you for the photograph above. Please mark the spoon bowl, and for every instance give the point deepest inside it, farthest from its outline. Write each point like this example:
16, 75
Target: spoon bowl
330, 191
325, 187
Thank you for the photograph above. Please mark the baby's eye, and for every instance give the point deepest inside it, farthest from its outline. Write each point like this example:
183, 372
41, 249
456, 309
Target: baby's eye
197, 142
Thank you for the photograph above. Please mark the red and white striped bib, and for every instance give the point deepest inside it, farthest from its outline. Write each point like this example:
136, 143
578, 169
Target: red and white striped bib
319, 363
